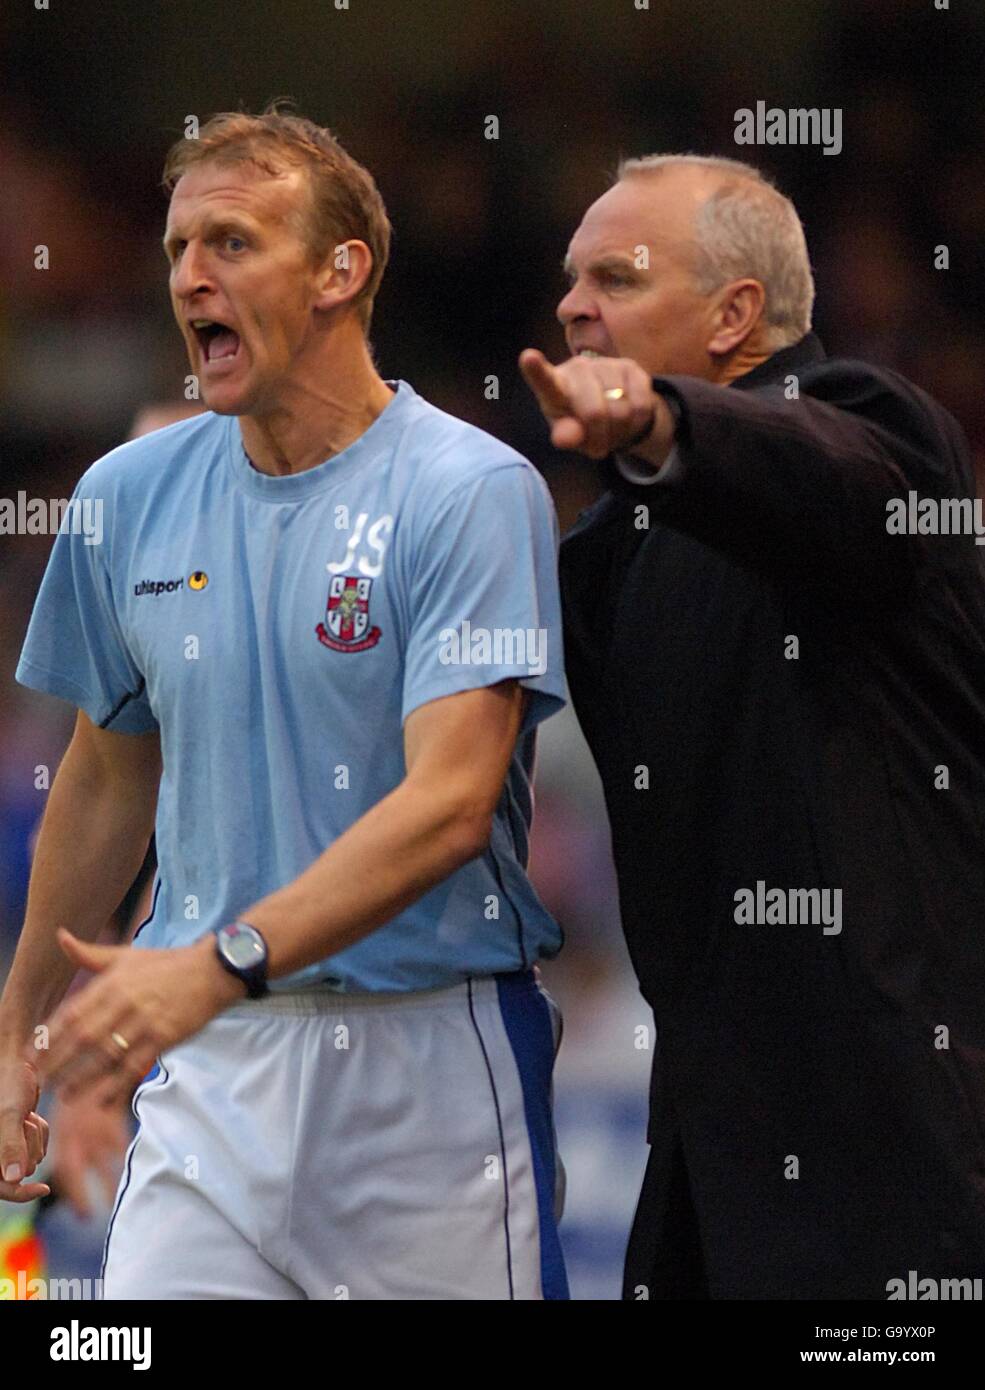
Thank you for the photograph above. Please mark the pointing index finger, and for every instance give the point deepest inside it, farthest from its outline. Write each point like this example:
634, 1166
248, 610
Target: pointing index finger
543, 381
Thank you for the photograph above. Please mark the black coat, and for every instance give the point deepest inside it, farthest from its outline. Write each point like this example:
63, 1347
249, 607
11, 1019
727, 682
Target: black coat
854, 1059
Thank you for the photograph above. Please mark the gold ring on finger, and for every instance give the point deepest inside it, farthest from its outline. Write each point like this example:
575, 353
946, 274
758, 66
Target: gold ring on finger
614, 393
120, 1041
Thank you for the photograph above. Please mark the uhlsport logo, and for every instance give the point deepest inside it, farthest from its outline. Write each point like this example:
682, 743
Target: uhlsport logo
346, 627
197, 581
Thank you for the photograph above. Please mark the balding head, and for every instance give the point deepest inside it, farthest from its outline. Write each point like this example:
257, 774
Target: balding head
742, 225
688, 265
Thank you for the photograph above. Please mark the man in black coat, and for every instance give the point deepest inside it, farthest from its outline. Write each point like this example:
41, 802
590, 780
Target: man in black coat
775, 636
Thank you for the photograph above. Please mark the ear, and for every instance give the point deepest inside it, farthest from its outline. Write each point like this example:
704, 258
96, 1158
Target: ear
738, 312
346, 270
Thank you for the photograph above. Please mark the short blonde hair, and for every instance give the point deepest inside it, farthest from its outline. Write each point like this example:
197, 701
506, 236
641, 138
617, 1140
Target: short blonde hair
344, 200
746, 226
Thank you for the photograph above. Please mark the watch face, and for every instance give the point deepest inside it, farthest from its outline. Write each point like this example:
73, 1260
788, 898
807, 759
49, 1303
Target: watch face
240, 947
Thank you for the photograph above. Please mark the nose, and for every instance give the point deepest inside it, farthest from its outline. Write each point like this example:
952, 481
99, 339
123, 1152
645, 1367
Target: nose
576, 305
191, 275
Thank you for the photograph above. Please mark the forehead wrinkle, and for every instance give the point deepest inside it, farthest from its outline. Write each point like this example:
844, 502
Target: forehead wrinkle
248, 196
658, 214
207, 219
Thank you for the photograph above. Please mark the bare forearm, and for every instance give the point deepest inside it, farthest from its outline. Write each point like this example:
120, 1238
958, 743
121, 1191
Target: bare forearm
405, 845
92, 842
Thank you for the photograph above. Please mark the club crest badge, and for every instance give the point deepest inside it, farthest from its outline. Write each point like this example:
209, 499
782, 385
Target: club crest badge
346, 627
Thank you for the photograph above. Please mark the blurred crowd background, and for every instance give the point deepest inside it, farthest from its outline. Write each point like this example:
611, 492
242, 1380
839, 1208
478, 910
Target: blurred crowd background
90, 100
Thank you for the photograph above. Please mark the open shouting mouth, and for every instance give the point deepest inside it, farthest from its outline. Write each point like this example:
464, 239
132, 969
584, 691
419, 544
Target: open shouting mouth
217, 342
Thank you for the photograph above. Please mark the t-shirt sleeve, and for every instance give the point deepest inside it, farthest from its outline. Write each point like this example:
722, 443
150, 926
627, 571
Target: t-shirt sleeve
75, 647
484, 604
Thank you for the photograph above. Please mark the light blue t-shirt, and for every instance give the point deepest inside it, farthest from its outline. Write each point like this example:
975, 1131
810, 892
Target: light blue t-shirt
279, 630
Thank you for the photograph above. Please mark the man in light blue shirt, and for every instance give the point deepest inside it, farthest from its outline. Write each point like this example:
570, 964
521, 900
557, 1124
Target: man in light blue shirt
318, 634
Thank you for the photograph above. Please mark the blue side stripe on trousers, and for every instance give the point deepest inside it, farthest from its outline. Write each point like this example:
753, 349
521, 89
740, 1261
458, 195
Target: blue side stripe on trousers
156, 1069
527, 1020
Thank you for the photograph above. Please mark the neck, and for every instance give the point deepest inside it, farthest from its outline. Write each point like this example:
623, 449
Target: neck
325, 409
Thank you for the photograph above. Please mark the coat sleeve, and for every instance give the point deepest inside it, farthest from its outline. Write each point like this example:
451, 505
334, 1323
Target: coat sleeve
800, 488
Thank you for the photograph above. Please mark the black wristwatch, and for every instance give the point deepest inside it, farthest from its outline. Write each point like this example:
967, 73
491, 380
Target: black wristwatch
243, 952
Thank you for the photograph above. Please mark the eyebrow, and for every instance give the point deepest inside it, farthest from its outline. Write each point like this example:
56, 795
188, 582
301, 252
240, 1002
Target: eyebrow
228, 222
613, 262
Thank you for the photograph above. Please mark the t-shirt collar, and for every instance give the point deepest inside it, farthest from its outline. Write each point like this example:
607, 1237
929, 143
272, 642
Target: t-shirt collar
380, 437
